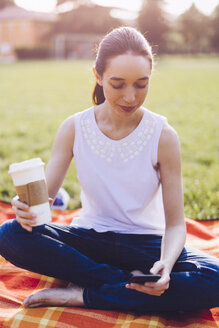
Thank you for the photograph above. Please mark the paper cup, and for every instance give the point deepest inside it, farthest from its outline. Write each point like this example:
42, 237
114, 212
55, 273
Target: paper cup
30, 183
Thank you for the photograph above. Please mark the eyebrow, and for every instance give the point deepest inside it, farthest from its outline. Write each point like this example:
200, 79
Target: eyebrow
120, 79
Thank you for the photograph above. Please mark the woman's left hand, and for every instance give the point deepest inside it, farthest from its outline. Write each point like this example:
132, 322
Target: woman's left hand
154, 288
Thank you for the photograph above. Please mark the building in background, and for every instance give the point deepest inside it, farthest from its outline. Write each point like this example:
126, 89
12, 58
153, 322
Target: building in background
73, 46
20, 28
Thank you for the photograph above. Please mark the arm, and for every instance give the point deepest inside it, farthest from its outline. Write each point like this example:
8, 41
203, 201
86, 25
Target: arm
169, 161
62, 154
170, 170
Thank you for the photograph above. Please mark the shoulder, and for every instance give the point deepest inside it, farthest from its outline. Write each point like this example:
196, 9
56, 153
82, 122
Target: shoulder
168, 135
68, 123
65, 136
67, 127
169, 144
157, 120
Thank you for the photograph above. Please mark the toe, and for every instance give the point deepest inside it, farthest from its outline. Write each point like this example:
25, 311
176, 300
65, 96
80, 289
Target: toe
34, 300
35, 305
26, 301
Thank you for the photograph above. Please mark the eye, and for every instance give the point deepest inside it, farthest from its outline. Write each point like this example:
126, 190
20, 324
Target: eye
117, 86
136, 85
141, 86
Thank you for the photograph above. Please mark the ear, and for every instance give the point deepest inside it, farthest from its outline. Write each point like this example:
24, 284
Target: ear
97, 76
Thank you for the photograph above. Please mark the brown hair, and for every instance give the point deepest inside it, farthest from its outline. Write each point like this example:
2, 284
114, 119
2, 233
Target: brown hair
119, 41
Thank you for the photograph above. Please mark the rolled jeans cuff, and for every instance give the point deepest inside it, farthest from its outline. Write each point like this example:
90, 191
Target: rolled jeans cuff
86, 299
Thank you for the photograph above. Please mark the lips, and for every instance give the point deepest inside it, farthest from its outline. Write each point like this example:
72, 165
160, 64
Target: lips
128, 108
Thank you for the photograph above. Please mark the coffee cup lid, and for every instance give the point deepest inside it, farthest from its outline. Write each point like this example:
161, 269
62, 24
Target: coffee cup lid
25, 165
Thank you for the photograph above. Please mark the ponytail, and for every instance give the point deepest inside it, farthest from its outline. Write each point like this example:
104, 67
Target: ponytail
98, 95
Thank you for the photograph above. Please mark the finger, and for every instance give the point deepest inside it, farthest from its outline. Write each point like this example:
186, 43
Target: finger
26, 227
152, 291
157, 267
158, 289
145, 288
24, 214
27, 222
142, 289
163, 281
159, 285
17, 203
165, 277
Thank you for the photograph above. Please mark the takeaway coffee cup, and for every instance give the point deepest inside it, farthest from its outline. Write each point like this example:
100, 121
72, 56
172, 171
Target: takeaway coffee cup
30, 184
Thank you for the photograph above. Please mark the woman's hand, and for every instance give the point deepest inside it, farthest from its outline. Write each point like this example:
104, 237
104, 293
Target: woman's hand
154, 288
23, 215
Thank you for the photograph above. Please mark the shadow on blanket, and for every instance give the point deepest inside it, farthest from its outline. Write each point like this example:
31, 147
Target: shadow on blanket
16, 284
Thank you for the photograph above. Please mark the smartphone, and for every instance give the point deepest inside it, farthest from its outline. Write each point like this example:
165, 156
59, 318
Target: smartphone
141, 279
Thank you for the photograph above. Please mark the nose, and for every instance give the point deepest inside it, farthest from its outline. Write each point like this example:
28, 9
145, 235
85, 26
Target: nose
129, 96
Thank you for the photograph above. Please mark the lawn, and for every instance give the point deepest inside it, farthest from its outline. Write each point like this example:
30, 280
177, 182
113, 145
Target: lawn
37, 96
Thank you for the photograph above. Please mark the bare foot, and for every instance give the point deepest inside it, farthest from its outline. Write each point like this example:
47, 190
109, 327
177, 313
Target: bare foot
69, 296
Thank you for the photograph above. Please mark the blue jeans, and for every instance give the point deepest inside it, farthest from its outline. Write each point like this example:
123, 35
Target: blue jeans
101, 263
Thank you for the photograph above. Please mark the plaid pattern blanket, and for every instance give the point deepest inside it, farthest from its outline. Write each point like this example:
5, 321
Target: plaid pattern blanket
16, 284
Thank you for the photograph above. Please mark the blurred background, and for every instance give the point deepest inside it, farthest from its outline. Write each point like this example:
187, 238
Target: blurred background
47, 50
71, 28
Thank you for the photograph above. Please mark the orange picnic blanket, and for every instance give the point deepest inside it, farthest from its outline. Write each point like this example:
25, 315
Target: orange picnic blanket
16, 284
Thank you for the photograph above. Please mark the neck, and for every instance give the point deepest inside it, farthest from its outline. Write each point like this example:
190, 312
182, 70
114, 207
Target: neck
117, 120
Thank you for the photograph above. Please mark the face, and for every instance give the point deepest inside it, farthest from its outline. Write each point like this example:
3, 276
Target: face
125, 82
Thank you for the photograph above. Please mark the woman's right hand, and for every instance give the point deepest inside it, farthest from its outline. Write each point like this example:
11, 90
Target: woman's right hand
23, 215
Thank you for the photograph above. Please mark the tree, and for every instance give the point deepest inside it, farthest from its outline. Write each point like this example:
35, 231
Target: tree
153, 23
214, 29
6, 3
194, 28
87, 19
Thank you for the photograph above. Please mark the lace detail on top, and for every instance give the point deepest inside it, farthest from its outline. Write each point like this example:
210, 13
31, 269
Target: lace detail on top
126, 148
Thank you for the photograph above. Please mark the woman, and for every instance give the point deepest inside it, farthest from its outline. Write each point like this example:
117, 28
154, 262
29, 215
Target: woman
132, 220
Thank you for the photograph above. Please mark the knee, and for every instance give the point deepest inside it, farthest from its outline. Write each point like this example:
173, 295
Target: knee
8, 230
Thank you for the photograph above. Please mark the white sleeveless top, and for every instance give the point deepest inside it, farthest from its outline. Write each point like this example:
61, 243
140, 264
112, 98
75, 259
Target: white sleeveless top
120, 187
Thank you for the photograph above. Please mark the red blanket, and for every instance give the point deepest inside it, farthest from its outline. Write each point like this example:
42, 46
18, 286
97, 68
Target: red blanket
16, 284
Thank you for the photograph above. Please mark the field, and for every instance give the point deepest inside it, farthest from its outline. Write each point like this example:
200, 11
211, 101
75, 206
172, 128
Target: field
37, 96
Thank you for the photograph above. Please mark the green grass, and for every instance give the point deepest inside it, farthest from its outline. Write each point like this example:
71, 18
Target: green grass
37, 96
